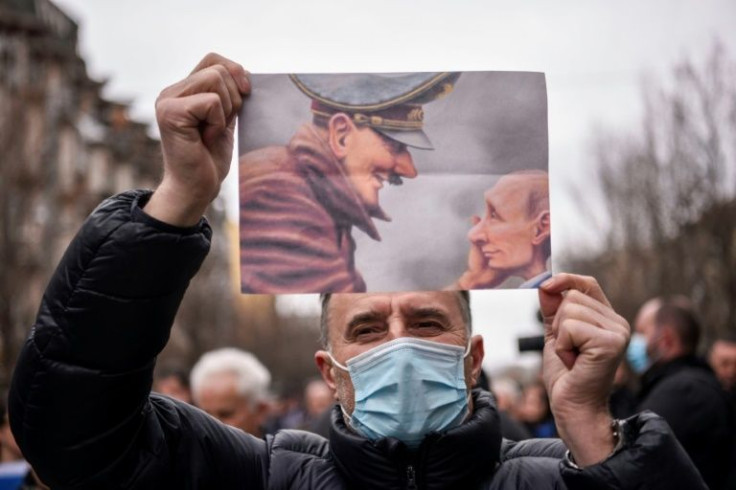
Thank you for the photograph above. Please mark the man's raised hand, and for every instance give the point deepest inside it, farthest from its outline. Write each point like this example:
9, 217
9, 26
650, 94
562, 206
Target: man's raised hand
584, 343
196, 118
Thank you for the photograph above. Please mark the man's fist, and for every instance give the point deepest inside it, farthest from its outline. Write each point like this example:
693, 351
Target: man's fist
196, 117
584, 344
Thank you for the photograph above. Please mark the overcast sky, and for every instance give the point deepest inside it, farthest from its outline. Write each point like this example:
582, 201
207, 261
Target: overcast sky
595, 55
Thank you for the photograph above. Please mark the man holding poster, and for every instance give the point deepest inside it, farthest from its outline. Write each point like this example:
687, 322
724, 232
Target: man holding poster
82, 412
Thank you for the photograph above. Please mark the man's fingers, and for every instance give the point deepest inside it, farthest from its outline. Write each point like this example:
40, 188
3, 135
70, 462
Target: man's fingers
578, 306
549, 303
213, 79
189, 113
587, 285
575, 338
241, 77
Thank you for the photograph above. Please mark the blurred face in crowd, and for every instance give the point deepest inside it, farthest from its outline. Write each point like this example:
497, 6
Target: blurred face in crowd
645, 324
359, 322
370, 159
723, 361
317, 398
220, 398
509, 238
534, 406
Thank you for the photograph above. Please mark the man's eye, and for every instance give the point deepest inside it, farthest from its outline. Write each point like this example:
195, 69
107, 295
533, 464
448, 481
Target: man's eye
429, 325
367, 331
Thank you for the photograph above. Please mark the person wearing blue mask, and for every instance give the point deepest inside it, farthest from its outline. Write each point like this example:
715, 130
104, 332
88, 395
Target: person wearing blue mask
681, 387
402, 364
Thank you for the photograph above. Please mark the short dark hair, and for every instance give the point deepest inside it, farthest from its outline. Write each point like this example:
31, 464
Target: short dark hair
463, 298
681, 318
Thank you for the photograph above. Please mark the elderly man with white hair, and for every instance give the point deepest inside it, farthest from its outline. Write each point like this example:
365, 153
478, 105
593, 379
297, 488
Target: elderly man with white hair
232, 386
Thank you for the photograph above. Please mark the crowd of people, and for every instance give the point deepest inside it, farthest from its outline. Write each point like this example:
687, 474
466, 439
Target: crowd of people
404, 369
697, 396
661, 372
235, 387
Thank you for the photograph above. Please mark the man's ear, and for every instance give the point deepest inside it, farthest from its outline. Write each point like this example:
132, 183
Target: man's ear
340, 128
668, 339
324, 364
541, 228
477, 353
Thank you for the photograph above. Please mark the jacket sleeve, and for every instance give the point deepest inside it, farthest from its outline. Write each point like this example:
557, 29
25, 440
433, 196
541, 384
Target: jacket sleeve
289, 242
80, 404
650, 458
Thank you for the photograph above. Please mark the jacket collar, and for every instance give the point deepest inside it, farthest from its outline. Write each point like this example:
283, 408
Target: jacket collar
461, 457
329, 182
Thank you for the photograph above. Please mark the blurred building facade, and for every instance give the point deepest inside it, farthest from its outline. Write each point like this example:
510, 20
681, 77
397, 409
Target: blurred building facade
63, 149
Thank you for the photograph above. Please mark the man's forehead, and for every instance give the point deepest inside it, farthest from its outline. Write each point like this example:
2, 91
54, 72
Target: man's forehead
343, 307
508, 190
724, 347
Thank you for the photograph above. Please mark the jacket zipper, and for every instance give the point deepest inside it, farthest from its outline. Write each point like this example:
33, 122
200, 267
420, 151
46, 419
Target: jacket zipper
411, 478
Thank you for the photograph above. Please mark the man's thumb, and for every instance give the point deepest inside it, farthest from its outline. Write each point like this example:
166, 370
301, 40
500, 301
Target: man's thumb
548, 305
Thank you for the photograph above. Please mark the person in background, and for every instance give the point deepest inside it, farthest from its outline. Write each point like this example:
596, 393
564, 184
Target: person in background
682, 388
15, 472
172, 381
534, 411
722, 358
232, 385
623, 397
507, 396
318, 402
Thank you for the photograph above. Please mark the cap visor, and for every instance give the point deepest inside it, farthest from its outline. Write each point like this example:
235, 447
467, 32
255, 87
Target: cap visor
413, 139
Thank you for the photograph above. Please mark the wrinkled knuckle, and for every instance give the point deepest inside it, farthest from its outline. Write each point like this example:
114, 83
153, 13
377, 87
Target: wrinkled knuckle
220, 70
211, 57
592, 283
163, 107
575, 296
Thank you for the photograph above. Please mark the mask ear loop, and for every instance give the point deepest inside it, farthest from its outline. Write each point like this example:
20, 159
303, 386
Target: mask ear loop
467, 350
345, 415
337, 364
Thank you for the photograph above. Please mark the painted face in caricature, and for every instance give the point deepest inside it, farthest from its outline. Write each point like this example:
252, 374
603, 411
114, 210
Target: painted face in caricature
371, 160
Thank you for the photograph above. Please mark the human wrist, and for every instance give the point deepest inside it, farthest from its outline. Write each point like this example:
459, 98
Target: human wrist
588, 435
176, 206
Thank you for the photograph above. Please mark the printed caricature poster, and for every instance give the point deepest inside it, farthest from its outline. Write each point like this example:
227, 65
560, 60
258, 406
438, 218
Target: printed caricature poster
393, 182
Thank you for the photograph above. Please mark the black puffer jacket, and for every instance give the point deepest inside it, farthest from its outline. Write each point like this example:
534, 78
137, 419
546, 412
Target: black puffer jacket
688, 395
82, 412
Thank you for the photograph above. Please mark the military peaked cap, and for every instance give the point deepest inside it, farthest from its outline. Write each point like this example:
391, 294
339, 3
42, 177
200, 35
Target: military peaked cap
390, 103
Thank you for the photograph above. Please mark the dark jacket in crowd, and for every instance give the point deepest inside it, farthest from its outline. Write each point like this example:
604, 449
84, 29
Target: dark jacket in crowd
82, 411
686, 393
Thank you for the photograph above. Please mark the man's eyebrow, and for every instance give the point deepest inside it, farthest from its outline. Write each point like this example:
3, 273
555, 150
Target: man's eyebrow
427, 312
363, 317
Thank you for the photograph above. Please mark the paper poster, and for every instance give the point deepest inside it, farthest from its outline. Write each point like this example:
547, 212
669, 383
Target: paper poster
394, 182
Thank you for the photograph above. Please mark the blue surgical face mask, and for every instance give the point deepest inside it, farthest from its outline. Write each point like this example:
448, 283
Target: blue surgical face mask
636, 353
407, 388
